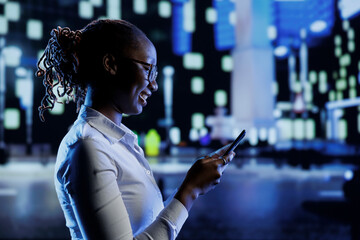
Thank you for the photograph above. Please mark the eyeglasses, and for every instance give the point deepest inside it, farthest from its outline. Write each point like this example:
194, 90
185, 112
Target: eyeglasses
152, 72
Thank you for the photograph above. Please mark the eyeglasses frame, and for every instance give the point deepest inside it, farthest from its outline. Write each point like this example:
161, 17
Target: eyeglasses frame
152, 68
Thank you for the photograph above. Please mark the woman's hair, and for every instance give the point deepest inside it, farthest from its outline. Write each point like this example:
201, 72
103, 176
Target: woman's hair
72, 60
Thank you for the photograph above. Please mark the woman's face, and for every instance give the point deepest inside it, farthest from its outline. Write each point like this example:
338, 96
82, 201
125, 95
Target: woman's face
132, 88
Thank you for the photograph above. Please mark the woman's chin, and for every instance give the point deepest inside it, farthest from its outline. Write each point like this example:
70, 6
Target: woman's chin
135, 111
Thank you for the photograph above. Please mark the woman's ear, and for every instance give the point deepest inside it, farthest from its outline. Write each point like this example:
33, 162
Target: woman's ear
110, 64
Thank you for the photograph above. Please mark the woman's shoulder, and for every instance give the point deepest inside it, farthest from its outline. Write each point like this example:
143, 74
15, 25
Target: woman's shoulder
80, 134
83, 148
79, 131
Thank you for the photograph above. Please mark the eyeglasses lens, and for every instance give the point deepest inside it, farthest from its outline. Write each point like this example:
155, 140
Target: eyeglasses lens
153, 74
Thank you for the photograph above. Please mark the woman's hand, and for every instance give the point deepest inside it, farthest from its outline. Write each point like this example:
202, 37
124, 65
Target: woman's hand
203, 176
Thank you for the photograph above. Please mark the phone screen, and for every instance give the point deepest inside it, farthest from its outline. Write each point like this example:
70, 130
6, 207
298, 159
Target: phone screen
236, 142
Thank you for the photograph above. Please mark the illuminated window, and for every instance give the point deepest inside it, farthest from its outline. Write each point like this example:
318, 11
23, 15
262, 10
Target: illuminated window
97, 3
58, 109
351, 33
113, 9
284, 106
197, 120
140, 6
310, 129
297, 87
11, 118
12, 56
227, 63
339, 95
275, 88
21, 72
272, 32
12, 11
352, 93
312, 77
197, 85
164, 9
308, 93
338, 51
352, 81
34, 29
232, 18
220, 98
277, 113
24, 91
322, 82
343, 72
3, 25
175, 135
211, 15
253, 136
299, 130
152, 143
351, 46
345, 60
203, 132
272, 136
263, 134
194, 134
86, 10
284, 127
342, 129
337, 40
341, 84
189, 16
193, 61
345, 25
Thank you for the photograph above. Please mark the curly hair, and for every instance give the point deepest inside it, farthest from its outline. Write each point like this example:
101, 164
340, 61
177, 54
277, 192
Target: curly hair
73, 59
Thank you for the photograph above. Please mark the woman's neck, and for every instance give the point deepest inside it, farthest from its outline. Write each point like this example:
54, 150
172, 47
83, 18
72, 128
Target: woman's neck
101, 103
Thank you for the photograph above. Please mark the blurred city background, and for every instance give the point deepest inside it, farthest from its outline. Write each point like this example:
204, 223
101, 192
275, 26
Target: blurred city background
287, 71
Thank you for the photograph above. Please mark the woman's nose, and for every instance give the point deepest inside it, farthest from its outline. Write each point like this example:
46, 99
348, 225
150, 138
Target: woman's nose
153, 86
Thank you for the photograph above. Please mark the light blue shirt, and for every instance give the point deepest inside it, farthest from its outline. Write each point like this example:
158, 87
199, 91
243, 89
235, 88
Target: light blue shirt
109, 188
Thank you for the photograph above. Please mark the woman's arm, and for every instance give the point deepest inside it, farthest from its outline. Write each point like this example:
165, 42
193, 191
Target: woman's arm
91, 182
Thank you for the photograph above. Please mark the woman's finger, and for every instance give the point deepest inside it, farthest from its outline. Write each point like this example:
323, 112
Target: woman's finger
222, 150
224, 160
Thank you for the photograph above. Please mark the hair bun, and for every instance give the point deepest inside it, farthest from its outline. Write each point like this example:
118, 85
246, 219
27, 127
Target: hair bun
67, 39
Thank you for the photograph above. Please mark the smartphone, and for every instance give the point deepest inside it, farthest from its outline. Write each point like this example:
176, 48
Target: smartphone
236, 142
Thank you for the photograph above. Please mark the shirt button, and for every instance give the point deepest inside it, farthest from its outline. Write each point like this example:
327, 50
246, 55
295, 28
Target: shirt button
148, 172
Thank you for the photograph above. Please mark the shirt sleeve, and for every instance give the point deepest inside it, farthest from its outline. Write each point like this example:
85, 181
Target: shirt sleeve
91, 183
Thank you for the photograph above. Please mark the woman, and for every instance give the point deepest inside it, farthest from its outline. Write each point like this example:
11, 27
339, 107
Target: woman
103, 181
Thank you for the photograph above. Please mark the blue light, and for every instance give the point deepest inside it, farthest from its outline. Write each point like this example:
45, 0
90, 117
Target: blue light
224, 30
281, 51
318, 26
349, 8
292, 16
262, 19
348, 175
181, 39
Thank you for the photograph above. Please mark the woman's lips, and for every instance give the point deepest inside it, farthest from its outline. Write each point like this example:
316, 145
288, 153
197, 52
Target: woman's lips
143, 98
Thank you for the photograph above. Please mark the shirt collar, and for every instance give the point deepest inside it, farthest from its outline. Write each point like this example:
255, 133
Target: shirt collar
113, 132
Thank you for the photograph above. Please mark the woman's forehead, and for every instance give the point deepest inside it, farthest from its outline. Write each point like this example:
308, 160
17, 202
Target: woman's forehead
143, 50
